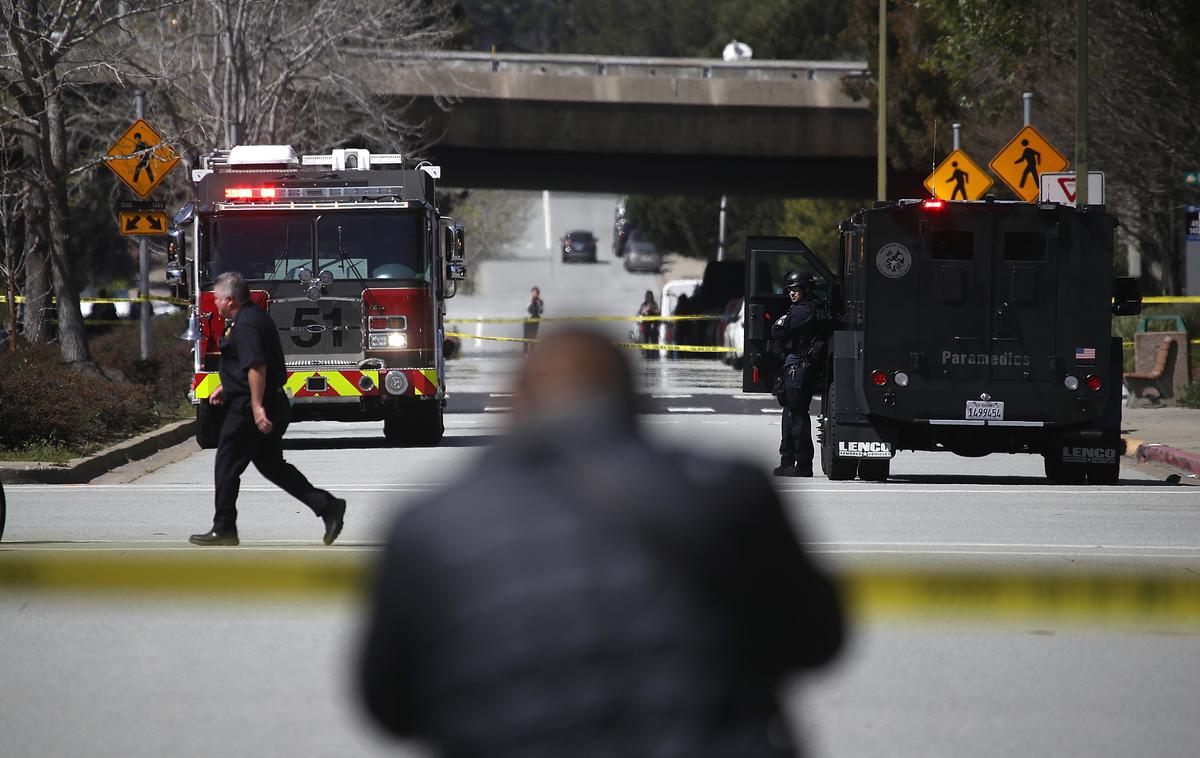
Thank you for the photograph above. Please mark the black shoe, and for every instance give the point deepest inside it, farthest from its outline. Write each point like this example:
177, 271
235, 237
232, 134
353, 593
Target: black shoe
213, 537
784, 469
334, 513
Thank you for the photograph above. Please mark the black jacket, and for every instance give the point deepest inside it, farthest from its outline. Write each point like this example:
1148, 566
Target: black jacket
793, 329
585, 594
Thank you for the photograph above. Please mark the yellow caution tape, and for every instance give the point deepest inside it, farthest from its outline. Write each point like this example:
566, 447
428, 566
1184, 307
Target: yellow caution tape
1129, 345
1163, 598
147, 299
519, 320
632, 345
1153, 299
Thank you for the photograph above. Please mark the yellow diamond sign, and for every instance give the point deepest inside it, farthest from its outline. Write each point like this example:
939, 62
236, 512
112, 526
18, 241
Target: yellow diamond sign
958, 178
138, 161
1024, 159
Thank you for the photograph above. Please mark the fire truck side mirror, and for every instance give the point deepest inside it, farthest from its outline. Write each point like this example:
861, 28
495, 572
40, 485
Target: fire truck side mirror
176, 257
458, 247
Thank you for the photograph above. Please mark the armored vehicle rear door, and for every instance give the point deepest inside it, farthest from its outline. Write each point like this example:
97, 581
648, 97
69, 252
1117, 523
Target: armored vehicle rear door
768, 262
989, 282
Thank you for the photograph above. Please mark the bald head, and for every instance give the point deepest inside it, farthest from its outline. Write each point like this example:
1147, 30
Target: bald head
573, 369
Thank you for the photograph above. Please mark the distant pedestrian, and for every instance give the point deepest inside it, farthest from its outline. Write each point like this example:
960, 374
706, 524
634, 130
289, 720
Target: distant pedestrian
585, 592
534, 311
648, 330
256, 416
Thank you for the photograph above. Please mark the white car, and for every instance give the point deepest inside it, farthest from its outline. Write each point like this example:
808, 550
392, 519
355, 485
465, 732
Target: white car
671, 292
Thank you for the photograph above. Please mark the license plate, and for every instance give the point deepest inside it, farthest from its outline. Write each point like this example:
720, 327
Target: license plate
989, 411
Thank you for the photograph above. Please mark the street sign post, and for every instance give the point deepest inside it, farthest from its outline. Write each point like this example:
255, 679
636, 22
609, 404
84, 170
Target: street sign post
1026, 157
137, 160
958, 178
1060, 188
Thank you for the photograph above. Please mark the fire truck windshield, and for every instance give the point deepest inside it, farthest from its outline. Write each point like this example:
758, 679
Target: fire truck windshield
350, 244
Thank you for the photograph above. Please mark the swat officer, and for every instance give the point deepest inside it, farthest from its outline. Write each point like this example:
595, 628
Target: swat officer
794, 332
258, 412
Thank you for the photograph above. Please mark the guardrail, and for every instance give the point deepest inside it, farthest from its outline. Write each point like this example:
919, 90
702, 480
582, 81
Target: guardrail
611, 65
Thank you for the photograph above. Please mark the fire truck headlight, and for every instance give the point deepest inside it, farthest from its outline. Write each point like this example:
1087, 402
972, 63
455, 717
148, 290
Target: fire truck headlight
395, 382
387, 340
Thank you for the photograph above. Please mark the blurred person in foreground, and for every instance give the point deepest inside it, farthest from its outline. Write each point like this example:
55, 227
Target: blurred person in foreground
584, 592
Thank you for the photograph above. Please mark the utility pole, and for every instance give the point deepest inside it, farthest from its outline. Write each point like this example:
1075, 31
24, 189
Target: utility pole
881, 127
144, 310
721, 232
1081, 103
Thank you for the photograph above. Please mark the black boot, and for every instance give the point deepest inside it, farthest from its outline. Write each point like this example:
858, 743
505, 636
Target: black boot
786, 467
226, 537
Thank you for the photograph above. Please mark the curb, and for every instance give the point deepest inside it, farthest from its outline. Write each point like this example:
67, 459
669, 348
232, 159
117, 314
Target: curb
1169, 456
82, 470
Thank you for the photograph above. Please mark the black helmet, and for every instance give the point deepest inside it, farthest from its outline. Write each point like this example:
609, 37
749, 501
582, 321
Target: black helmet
801, 280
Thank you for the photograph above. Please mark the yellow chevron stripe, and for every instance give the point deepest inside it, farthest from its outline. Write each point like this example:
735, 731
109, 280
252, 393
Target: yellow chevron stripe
295, 382
431, 375
340, 384
209, 383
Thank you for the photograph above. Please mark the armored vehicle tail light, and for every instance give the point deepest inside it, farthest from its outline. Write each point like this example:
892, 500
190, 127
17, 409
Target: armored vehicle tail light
1093, 382
1071, 382
878, 378
395, 382
900, 378
933, 205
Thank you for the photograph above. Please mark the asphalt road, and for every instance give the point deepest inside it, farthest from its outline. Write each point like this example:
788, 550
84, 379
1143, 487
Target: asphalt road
150, 676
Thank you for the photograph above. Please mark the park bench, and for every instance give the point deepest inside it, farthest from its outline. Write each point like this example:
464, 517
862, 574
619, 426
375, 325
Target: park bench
1155, 384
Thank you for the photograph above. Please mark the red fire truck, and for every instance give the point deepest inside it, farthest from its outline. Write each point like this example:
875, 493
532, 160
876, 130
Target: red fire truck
349, 255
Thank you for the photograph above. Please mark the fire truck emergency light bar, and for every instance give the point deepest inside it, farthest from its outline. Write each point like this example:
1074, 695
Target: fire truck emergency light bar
301, 193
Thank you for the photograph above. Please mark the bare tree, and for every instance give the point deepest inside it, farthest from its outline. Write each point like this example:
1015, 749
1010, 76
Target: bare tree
286, 72
494, 220
54, 53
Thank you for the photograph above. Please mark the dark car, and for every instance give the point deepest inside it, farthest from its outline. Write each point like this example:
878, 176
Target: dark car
641, 254
579, 246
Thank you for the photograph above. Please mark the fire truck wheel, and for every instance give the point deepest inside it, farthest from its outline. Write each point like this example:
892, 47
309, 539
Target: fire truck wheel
415, 424
208, 425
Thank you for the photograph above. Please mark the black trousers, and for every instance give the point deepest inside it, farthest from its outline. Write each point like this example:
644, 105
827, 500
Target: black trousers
530, 332
796, 428
241, 444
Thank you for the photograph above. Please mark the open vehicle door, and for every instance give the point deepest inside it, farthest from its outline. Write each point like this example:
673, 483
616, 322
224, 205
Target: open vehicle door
768, 262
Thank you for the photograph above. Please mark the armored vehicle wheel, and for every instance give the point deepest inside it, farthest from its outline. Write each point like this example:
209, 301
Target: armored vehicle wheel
208, 424
834, 467
1107, 474
1063, 473
874, 471
416, 424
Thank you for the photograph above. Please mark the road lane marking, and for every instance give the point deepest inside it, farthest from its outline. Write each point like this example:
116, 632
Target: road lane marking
497, 408
671, 397
770, 410
689, 409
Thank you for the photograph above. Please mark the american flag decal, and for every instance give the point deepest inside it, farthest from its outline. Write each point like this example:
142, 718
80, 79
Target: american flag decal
1085, 353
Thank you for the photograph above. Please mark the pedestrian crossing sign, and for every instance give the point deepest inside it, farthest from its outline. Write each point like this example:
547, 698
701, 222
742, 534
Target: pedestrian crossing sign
137, 159
958, 178
1024, 159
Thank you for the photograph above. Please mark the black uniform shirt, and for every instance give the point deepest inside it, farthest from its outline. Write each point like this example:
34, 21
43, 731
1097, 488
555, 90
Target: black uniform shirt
791, 328
254, 338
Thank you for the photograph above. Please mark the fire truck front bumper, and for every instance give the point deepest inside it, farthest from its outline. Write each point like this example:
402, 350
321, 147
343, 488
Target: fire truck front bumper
370, 387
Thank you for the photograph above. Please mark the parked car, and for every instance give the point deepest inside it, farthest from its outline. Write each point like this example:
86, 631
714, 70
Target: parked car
641, 254
579, 246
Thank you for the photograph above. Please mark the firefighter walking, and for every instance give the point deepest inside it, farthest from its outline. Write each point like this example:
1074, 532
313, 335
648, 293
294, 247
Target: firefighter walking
256, 416
795, 331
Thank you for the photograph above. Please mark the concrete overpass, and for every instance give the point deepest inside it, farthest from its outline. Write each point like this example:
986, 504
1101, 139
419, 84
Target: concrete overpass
611, 124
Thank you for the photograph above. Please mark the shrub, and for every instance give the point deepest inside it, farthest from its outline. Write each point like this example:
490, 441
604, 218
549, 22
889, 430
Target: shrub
1190, 397
44, 403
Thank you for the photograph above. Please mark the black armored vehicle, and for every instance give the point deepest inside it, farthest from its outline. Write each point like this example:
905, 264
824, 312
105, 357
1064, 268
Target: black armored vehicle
972, 327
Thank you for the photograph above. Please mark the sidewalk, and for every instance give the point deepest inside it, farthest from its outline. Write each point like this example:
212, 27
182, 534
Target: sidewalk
1163, 436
